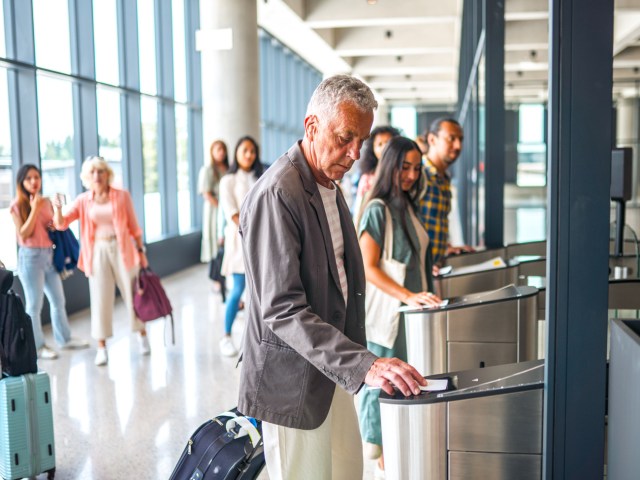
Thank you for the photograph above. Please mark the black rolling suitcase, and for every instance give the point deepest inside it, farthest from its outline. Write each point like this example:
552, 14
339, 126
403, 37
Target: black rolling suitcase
228, 447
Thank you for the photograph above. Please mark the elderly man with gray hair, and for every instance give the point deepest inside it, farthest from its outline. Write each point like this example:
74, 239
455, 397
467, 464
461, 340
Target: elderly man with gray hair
304, 348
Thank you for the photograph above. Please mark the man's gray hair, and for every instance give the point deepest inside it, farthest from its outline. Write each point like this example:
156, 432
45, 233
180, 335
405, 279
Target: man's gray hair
339, 89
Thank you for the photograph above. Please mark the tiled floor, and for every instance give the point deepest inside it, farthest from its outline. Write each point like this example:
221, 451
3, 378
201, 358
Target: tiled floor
131, 419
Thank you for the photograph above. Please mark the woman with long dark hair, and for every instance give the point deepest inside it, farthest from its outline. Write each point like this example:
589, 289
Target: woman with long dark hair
395, 195
371, 154
33, 216
245, 169
208, 186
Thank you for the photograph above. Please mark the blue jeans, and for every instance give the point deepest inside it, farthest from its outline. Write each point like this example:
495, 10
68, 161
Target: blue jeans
233, 301
38, 276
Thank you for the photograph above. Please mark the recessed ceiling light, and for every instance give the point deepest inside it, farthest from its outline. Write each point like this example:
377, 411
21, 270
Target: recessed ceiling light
372, 2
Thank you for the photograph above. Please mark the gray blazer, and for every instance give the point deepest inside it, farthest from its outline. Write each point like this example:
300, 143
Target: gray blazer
301, 339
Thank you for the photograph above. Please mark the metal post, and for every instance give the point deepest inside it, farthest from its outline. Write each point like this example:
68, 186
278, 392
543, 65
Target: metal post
580, 73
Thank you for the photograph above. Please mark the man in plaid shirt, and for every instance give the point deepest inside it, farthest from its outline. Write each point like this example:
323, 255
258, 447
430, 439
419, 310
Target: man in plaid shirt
444, 138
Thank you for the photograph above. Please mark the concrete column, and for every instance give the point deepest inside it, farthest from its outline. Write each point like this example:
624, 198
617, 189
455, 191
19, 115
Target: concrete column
381, 116
230, 73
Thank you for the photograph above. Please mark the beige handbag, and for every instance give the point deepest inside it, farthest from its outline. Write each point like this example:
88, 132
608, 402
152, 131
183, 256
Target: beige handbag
382, 316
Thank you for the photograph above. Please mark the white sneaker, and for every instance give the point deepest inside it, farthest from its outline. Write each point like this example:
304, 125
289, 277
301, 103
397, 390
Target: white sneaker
378, 473
101, 357
46, 353
227, 348
75, 344
143, 342
371, 450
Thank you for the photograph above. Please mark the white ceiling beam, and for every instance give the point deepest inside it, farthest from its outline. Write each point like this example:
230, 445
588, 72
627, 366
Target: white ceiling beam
527, 67
409, 85
517, 56
395, 61
526, 33
521, 75
381, 38
336, 13
282, 22
382, 22
626, 28
516, 7
381, 72
434, 77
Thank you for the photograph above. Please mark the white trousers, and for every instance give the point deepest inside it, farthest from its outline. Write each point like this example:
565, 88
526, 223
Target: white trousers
333, 451
109, 270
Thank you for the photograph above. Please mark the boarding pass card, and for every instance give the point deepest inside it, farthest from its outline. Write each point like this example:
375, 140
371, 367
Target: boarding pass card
435, 385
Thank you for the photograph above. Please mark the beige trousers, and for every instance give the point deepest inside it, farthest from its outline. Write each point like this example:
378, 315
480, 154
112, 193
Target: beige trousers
333, 451
109, 270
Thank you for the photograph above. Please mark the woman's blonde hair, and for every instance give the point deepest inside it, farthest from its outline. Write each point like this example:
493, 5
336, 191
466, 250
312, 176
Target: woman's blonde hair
91, 162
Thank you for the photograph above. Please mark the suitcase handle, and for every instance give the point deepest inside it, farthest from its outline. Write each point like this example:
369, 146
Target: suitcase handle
246, 428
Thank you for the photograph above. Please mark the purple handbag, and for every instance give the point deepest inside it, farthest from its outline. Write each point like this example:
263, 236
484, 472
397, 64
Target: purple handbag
150, 300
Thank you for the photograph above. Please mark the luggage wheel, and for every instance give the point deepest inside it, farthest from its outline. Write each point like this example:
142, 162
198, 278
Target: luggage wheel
51, 473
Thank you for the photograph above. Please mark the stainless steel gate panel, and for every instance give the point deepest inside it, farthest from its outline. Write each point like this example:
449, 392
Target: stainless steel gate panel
468, 355
494, 466
414, 442
509, 423
533, 268
474, 258
484, 435
426, 337
457, 285
484, 323
528, 248
527, 338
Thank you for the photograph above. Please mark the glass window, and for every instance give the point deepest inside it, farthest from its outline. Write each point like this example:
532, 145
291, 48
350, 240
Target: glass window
51, 30
3, 46
406, 119
179, 52
147, 46
110, 131
8, 237
182, 165
532, 151
55, 117
152, 200
105, 39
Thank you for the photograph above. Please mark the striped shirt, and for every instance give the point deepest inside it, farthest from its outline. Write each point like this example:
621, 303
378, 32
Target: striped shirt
434, 209
330, 202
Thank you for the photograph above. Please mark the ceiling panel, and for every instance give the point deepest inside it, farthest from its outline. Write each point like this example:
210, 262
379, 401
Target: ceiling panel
408, 50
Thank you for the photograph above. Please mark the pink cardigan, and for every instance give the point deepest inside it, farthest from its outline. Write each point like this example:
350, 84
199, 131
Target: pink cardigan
124, 223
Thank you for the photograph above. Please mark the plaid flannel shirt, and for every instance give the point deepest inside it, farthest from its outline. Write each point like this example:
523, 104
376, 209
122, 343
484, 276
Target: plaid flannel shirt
435, 206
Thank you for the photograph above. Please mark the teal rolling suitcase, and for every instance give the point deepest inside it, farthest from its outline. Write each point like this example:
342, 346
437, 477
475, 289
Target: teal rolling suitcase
26, 427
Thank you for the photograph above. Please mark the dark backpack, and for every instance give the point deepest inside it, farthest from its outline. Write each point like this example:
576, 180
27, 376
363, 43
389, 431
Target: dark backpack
150, 300
17, 346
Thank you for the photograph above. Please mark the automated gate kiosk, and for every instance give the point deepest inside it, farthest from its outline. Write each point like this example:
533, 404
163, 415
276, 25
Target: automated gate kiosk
624, 399
483, 277
489, 425
513, 250
482, 329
